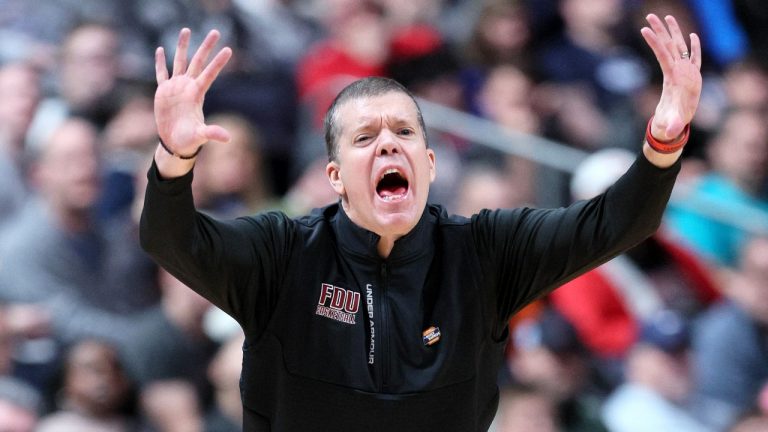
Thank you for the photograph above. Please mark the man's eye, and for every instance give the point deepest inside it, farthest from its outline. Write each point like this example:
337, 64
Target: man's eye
362, 138
406, 132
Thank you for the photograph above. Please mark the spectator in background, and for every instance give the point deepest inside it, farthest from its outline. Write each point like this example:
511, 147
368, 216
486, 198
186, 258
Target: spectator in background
505, 98
547, 355
168, 333
525, 409
171, 406
310, 190
735, 186
730, 349
126, 140
482, 187
56, 255
95, 393
607, 304
234, 178
501, 35
226, 412
87, 79
658, 381
357, 46
591, 74
20, 406
259, 87
20, 94
746, 84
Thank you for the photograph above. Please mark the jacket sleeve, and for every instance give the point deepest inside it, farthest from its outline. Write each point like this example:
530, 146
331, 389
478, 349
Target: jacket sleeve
526, 252
234, 264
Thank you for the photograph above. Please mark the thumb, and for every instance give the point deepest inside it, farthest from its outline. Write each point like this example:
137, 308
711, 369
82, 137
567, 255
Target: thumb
674, 127
217, 133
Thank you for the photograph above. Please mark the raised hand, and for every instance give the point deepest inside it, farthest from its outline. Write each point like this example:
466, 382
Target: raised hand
682, 76
179, 98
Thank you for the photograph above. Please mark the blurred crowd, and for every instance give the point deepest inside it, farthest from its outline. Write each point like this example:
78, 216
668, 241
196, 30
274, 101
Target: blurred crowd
672, 335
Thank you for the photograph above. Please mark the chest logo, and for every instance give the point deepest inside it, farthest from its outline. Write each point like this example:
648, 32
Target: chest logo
338, 303
431, 336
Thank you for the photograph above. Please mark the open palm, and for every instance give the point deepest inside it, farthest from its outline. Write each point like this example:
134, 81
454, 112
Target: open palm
179, 98
682, 76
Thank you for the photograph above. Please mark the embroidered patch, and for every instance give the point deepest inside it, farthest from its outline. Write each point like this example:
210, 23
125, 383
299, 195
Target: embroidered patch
431, 336
338, 303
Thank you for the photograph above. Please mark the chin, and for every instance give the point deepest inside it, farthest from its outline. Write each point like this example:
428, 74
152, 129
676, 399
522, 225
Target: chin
400, 223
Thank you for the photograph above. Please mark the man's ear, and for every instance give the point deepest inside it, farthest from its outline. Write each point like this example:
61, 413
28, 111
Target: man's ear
332, 170
432, 167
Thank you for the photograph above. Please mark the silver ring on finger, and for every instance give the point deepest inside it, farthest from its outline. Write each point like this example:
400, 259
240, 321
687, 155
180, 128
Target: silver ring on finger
685, 55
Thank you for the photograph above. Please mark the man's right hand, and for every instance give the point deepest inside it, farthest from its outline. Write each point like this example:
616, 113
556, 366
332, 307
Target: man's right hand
179, 103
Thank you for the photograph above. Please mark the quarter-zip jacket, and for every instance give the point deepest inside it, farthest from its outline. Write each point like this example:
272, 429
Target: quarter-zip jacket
339, 339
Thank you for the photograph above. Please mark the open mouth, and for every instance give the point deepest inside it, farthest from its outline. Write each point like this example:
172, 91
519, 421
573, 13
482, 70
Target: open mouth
392, 185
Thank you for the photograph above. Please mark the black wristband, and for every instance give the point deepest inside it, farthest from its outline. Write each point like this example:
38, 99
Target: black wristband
165, 147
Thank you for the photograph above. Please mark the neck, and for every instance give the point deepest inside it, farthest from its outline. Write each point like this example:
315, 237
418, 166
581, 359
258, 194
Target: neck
385, 246
72, 220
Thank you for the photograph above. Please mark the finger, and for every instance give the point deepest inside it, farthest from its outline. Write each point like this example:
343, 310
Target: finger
677, 36
217, 133
662, 34
696, 50
161, 70
180, 58
662, 54
196, 64
211, 71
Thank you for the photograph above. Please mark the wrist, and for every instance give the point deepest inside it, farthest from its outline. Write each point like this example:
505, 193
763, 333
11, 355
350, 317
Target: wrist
174, 154
169, 166
667, 146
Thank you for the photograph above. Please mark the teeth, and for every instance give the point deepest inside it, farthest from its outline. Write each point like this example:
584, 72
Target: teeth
390, 171
391, 197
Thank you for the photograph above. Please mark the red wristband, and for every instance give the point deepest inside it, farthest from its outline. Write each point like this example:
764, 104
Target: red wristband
667, 147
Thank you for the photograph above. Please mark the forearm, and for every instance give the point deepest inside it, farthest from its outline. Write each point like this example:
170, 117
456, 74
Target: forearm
661, 160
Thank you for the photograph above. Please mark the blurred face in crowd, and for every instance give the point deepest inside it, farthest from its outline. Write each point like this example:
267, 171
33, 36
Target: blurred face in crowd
666, 373
601, 14
233, 168
95, 383
740, 150
526, 411
89, 64
383, 169
20, 93
68, 169
506, 98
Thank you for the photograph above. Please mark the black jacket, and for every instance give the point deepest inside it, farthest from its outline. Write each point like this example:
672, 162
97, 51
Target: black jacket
338, 339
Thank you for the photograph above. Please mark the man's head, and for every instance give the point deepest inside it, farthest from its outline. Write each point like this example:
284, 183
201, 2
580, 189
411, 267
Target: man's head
67, 168
379, 162
361, 89
659, 360
95, 383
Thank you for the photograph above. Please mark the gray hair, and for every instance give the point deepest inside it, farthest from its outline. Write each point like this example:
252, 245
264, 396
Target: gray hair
362, 88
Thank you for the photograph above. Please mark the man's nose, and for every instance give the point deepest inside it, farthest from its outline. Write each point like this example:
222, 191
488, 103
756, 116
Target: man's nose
388, 143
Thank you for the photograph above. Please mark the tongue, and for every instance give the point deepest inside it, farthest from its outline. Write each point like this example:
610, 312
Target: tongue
395, 191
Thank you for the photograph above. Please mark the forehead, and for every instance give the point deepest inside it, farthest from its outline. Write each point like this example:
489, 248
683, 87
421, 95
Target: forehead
393, 106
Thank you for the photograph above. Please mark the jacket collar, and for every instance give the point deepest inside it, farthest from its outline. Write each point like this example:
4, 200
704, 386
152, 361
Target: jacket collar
359, 241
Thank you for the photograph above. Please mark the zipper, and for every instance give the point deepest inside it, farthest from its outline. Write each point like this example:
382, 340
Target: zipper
384, 312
